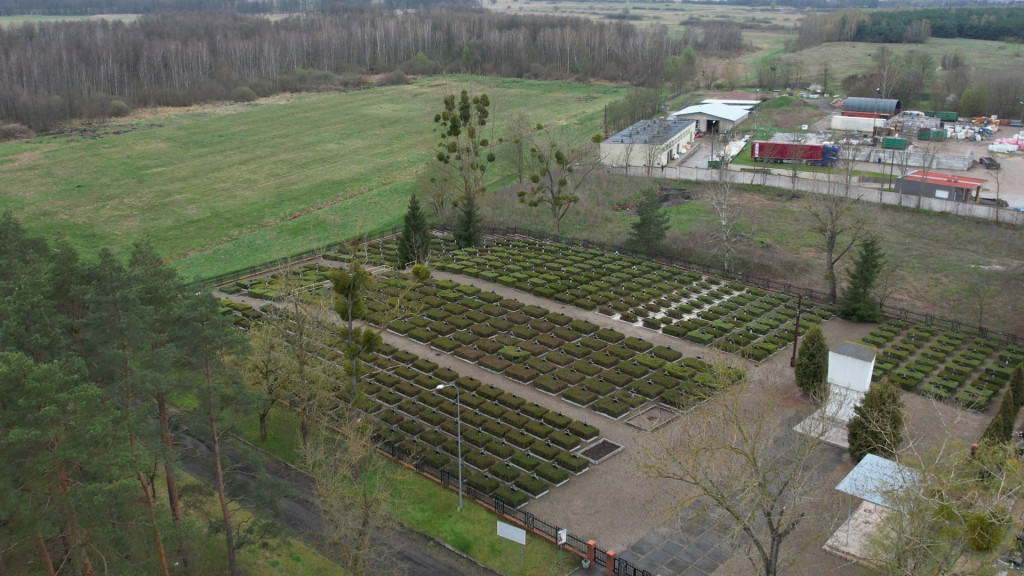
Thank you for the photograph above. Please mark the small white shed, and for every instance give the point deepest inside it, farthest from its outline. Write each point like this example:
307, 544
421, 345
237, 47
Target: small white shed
850, 366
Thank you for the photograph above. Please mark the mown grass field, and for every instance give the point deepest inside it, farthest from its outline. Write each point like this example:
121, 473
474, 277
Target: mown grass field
223, 188
6, 21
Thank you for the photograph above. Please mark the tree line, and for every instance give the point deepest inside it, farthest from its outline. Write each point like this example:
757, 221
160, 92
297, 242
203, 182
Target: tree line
911, 26
94, 7
54, 72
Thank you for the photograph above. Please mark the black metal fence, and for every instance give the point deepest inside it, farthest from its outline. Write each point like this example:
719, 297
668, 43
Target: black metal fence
206, 283
748, 279
624, 568
538, 235
527, 520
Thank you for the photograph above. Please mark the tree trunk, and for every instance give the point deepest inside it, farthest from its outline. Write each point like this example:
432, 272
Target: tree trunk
73, 538
44, 556
362, 538
228, 534
156, 531
304, 428
830, 272
172, 482
263, 423
165, 437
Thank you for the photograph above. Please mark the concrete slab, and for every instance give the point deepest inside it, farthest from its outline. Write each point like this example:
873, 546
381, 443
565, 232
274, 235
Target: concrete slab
850, 541
834, 431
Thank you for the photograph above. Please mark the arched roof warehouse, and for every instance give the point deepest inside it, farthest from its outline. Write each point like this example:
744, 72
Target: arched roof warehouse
885, 106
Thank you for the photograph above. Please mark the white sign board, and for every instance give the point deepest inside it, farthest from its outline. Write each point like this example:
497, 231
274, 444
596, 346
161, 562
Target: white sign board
562, 536
513, 533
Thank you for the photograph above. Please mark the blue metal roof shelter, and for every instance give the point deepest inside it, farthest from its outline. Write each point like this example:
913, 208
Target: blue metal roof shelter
874, 479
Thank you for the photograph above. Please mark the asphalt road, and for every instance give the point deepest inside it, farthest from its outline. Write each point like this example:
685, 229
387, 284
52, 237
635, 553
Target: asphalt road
412, 553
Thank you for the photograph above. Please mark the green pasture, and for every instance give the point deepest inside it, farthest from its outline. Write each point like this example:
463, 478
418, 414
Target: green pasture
845, 58
7, 21
220, 189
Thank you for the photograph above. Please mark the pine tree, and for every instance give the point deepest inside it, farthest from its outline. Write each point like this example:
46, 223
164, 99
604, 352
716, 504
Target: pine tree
877, 425
1017, 386
467, 226
812, 365
1001, 428
350, 288
649, 231
414, 243
859, 303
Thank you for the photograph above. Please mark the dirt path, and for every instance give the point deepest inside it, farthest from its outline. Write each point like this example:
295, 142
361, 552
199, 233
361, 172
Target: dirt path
413, 553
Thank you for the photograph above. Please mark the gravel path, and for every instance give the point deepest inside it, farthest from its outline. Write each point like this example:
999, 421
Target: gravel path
612, 503
616, 506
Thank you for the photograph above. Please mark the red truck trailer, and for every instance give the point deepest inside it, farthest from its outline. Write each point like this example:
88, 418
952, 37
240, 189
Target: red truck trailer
779, 152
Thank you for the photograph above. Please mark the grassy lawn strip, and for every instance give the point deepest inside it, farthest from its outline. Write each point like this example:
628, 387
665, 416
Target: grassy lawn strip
420, 503
284, 555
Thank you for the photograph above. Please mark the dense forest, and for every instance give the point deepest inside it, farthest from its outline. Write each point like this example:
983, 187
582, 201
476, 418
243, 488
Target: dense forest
94, 7
912, 26
99, 364
50, 73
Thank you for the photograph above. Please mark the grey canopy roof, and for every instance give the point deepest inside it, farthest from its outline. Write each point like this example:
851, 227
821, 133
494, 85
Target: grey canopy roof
874, 479
872, 105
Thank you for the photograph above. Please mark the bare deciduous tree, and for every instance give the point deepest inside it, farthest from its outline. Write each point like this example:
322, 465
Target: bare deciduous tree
950, 505
353, 484
562, 161
721, 195
517, 137
838, 220
739, 458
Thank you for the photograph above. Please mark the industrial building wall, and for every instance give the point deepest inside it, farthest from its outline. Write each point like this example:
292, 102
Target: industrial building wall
614, 154
743, 174
930, 190
701, 122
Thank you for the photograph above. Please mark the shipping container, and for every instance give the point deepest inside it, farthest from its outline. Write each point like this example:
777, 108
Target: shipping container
894, 143
930, 134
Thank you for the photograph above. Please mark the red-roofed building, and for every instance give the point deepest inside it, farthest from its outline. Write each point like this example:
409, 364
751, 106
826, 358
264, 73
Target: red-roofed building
942, 186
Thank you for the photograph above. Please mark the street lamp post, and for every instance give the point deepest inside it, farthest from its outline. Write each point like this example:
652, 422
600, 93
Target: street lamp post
796, 330
458, 430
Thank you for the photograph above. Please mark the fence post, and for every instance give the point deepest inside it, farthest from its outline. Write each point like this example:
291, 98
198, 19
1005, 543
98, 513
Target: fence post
591, 548
609, 565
